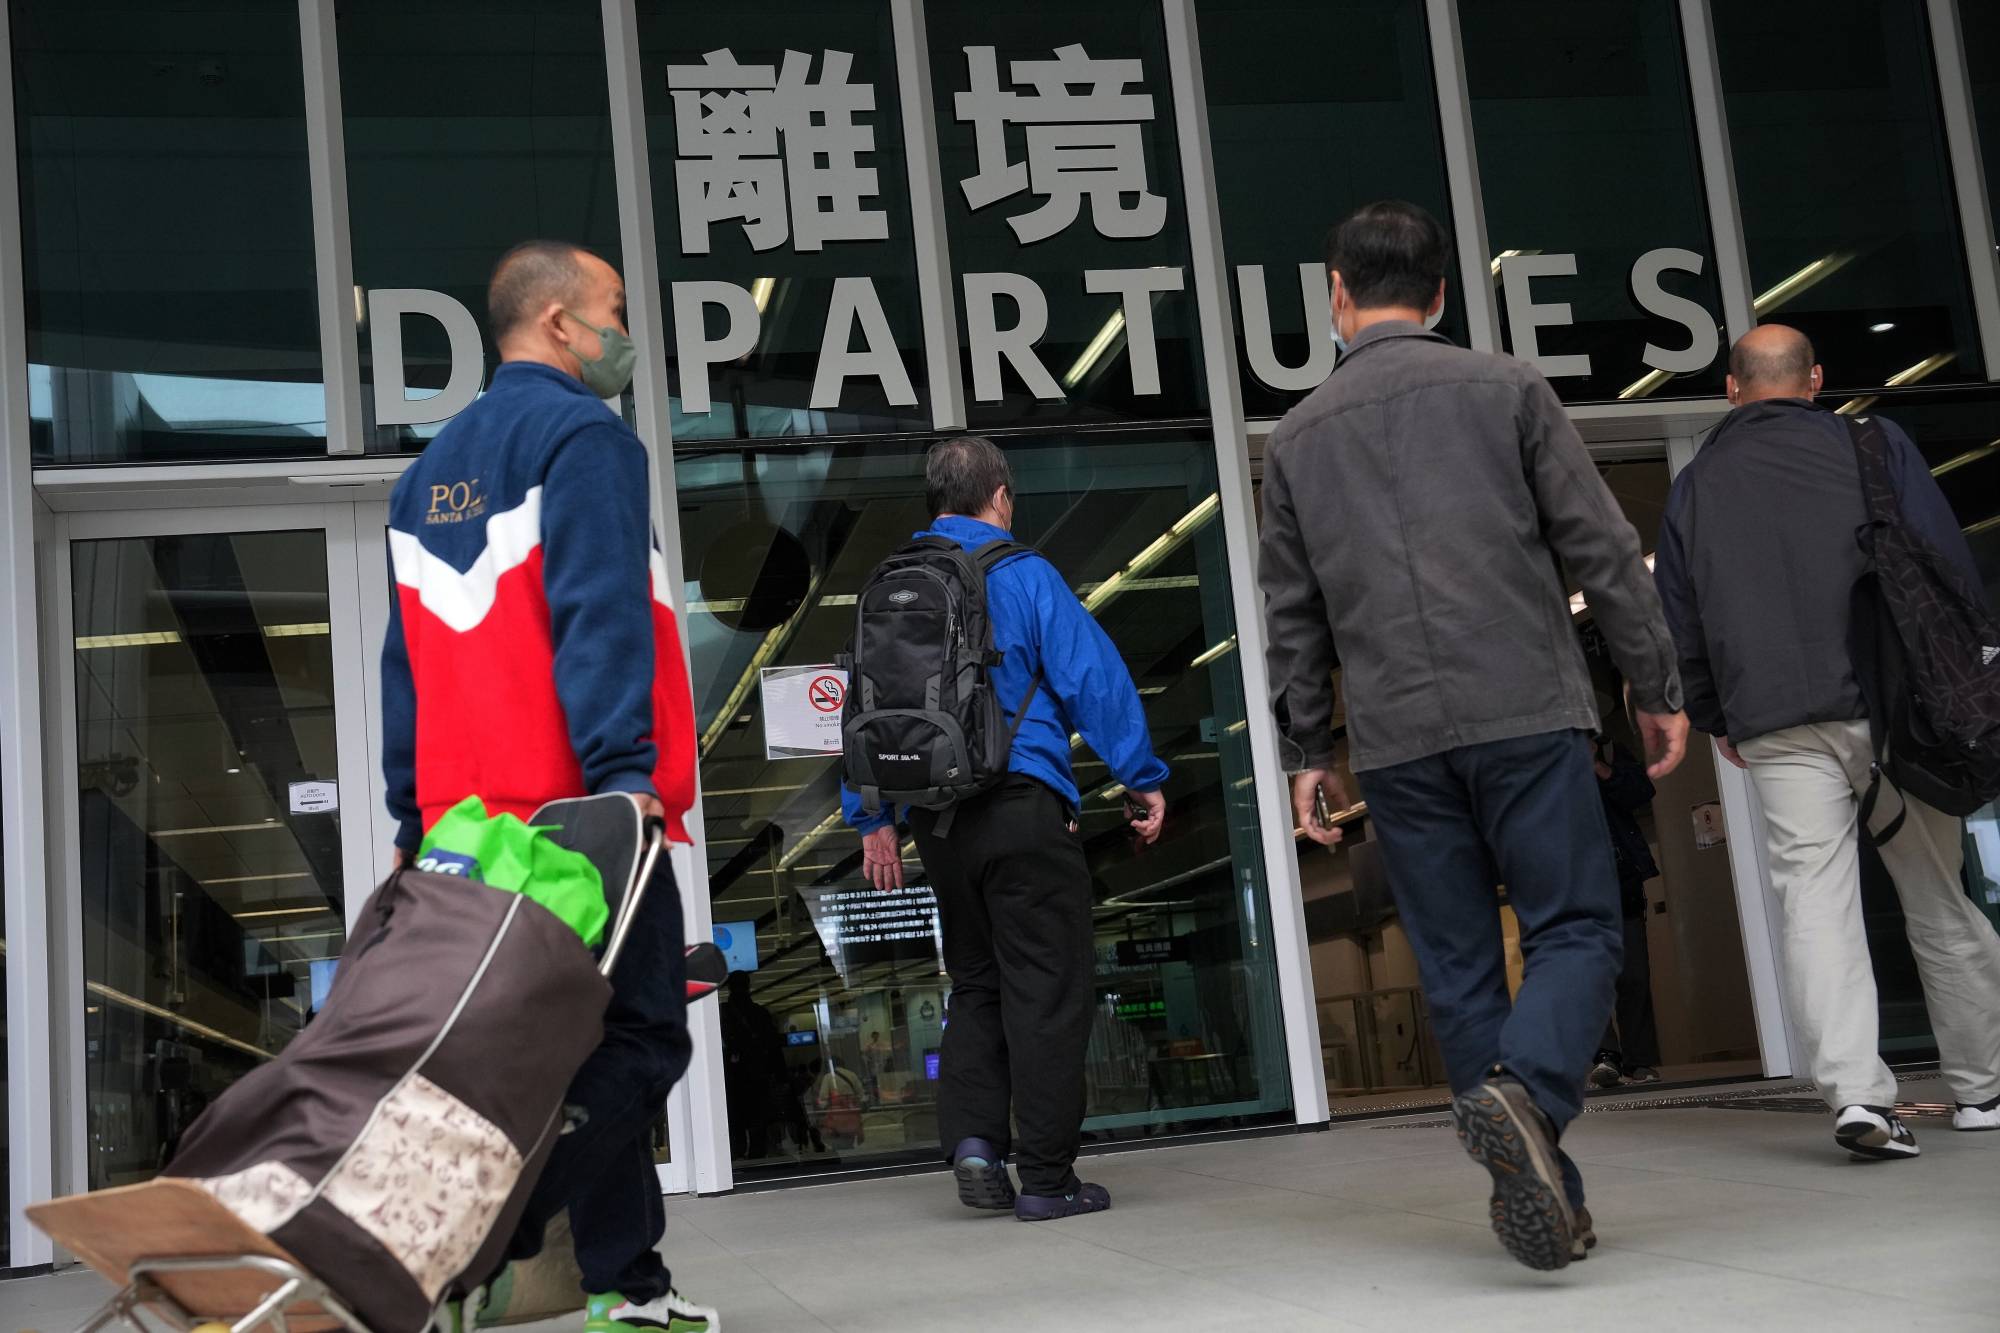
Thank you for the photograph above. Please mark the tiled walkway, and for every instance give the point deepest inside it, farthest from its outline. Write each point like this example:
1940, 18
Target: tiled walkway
1710, 1219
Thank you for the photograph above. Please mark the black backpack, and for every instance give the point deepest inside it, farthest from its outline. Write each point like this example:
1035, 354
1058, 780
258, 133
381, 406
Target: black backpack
921, 725
1927, 653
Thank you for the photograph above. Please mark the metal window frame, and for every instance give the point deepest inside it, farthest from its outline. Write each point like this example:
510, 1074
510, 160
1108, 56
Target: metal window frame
697, 1113
1718, 167
333, 251
1968, 175
1283, 892
31, 1091
1461, 165
936, 292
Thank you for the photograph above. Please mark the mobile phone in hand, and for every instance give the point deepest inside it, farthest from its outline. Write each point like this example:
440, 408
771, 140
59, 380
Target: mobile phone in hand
1320, 810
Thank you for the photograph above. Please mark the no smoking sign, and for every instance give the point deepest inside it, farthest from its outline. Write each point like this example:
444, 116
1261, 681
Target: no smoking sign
802, 707
827, 693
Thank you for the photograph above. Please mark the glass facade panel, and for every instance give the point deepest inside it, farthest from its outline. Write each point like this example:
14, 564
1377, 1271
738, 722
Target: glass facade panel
469, 127
1874, 272
212, 914
782, 212
1604, 270
1296, 151
167, 232
1064, 209
833, 1059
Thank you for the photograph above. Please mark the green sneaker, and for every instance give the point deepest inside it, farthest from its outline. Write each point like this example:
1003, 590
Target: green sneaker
671, 1313
498, 1295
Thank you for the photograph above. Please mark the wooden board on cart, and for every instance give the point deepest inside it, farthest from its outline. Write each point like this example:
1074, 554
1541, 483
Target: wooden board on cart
164, 1219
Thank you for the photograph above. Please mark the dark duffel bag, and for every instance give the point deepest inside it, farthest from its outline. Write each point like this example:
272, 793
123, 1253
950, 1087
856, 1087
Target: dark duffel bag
392, 1146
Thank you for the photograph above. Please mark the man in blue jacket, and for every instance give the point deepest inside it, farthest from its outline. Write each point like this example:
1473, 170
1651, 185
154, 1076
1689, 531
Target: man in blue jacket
1012, 883
1756, 564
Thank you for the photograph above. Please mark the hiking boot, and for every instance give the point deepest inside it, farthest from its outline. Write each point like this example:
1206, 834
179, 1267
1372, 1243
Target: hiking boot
671, 1313
1605, 1073
1084, 1198
1986, 1115
1504, 1131
981, 1170
1642, 1074
1874, 1132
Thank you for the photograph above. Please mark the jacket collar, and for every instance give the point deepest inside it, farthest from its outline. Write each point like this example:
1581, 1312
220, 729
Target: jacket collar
966, 531
525, 372
1385, 331
1772, 411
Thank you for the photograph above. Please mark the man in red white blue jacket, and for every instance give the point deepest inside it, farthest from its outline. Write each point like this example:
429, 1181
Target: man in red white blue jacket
531, 656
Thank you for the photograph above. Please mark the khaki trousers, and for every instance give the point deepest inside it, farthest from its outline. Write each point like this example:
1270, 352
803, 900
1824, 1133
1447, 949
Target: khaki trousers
1809, 780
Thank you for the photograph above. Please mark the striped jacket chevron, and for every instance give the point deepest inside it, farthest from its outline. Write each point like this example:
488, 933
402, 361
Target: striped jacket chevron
532, 654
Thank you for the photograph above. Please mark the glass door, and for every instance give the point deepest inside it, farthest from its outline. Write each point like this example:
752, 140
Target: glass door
219, 800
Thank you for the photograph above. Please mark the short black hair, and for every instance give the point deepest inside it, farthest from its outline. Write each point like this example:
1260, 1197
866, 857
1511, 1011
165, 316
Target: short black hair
1390, 253
527, 278
961, 474
1789, 361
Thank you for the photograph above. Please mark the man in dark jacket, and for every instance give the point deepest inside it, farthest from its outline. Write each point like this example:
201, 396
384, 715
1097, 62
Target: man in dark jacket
1415, 507
1756, 565
1631, 1045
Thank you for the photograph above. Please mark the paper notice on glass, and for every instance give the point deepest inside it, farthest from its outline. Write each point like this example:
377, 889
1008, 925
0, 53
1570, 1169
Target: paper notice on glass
802, 707
315, 798
1709, 829
862, 926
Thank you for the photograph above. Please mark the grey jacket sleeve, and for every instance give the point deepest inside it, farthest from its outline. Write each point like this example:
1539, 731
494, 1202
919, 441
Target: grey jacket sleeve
1598, 547
1301, 653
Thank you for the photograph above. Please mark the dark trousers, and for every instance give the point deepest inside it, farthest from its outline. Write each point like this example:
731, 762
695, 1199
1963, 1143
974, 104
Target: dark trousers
1634, 1037
602, 1170
1524, 813
1013, 893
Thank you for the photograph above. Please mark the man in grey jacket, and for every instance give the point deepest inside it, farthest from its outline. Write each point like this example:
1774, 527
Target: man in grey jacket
1415, 509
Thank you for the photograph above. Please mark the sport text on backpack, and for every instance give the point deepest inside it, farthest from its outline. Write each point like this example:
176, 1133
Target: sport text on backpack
921, 724
1927, 653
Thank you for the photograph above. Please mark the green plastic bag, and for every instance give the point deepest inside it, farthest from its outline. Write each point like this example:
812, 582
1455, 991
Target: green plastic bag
503, 852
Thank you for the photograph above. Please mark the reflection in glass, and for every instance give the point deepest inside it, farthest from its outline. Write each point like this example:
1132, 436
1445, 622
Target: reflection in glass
1874, 274
1054, 165
212, 914
835, 1055
1980, 29
1296, 151
470, 127
777, 158
1593, 195
167, 232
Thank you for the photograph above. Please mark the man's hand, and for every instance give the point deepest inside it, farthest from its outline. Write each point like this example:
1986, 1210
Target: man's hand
1147, 826
398, 858
649, 805
882, 858
1729, 752
1306, 789
1666, 738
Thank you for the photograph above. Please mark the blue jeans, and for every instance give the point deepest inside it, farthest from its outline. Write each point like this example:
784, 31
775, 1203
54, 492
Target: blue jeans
602, 1170
1524, 813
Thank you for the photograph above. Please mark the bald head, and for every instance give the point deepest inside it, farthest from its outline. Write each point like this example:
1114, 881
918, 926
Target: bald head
1772, 361
547, 301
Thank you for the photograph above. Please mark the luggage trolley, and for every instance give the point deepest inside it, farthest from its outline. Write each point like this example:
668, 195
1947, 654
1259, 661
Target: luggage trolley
184, 1261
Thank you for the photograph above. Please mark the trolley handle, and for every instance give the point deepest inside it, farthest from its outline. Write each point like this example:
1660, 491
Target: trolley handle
628, 901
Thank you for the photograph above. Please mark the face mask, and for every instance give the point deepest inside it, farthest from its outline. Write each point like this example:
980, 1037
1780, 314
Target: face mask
1339, 343
610, 372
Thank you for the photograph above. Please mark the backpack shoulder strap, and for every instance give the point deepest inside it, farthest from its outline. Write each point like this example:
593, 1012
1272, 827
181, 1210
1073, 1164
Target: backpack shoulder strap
992, 554
1871, 456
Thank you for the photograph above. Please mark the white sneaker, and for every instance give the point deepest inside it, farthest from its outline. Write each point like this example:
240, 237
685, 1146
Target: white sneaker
673, 1312
1874, 1131
1986, 1115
